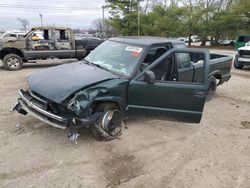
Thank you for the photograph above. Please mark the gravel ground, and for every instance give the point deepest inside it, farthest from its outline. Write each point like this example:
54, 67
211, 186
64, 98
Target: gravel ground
150, 153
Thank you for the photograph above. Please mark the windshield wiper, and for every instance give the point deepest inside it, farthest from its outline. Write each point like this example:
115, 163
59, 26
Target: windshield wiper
96, 65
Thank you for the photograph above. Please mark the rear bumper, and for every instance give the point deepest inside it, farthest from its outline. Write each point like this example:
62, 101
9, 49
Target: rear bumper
26, 105
225, 78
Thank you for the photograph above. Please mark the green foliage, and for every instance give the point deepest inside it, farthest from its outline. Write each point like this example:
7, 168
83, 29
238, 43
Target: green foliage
123, 15
217, 19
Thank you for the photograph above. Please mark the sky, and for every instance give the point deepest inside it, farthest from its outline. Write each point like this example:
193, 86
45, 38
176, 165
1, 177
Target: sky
70, 13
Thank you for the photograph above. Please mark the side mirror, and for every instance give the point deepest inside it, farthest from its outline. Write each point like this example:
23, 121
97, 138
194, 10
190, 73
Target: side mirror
149, 77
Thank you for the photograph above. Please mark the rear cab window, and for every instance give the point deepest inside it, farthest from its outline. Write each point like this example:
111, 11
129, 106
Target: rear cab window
155, 52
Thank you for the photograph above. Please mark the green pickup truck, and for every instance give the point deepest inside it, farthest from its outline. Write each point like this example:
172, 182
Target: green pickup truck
148, 76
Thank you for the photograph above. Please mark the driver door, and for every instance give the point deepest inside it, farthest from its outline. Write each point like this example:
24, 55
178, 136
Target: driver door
169, 99
49, 43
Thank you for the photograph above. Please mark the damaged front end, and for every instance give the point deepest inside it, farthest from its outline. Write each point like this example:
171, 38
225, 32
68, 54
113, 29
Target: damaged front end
53, 114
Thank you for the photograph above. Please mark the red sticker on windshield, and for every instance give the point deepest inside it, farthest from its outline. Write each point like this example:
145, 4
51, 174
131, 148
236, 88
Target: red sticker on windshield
135, 54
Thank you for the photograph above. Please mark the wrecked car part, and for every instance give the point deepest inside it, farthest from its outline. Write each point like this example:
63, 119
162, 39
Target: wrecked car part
109, 125
71, 80
73, 137
26, 104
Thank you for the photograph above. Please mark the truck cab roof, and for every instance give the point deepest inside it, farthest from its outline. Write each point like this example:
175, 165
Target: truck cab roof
50, 27
145, 40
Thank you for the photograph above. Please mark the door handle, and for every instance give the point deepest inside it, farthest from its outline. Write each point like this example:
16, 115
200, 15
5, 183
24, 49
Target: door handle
200, 94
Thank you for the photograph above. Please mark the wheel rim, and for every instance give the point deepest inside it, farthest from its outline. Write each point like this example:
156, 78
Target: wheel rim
13, 62
112, 122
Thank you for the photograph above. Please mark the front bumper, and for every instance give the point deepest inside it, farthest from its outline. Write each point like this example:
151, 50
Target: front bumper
27, 104
243, 60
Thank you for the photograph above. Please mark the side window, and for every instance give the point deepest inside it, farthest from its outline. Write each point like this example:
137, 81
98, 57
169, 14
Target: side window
163, 70
38, 35
156, 52
183, 60
46, 35
180, 67
61, 35
190, 67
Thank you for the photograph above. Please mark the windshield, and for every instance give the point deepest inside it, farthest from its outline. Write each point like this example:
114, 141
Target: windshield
116, 57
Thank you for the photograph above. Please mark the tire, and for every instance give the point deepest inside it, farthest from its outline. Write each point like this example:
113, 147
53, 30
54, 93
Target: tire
232, 43
12, 62
237, 64
211, 89
106, 128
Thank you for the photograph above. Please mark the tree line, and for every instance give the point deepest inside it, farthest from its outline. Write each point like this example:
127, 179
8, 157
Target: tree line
216, 19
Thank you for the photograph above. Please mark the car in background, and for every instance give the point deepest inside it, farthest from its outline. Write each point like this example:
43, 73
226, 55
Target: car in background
242, 58
13, 34
224, 42
194, 38
183, 39
89, 43
241, 41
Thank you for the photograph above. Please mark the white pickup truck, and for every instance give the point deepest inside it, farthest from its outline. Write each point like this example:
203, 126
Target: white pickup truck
242, 58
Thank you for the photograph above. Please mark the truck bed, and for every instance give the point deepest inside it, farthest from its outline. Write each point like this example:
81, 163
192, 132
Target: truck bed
220, 66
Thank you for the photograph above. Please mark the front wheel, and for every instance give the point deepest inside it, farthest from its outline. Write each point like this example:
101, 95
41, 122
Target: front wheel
110, 124
237, 64
12, 62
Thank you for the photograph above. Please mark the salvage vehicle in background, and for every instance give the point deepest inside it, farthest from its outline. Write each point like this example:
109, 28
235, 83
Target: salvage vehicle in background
42, 43
242, 58
224, 42
151, 76
241, 41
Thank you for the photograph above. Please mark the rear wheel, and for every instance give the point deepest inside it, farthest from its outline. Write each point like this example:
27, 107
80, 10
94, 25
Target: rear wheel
211, 89
110, 124
12, 62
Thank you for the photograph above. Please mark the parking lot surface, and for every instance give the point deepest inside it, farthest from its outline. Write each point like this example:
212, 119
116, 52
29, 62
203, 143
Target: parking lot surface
150, 153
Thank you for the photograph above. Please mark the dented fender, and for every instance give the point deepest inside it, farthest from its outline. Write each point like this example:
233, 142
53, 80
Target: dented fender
103, 92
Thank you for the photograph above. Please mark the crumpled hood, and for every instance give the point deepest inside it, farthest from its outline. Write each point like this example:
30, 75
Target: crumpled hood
59, 82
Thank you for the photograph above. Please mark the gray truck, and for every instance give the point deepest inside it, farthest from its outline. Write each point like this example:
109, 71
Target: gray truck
43, 43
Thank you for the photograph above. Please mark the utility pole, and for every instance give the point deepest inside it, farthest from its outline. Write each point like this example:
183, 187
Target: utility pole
41, 17
103, 29
138, 18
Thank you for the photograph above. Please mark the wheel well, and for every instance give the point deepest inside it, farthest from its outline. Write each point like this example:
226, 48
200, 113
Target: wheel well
218, 77
103, 103
7, 51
